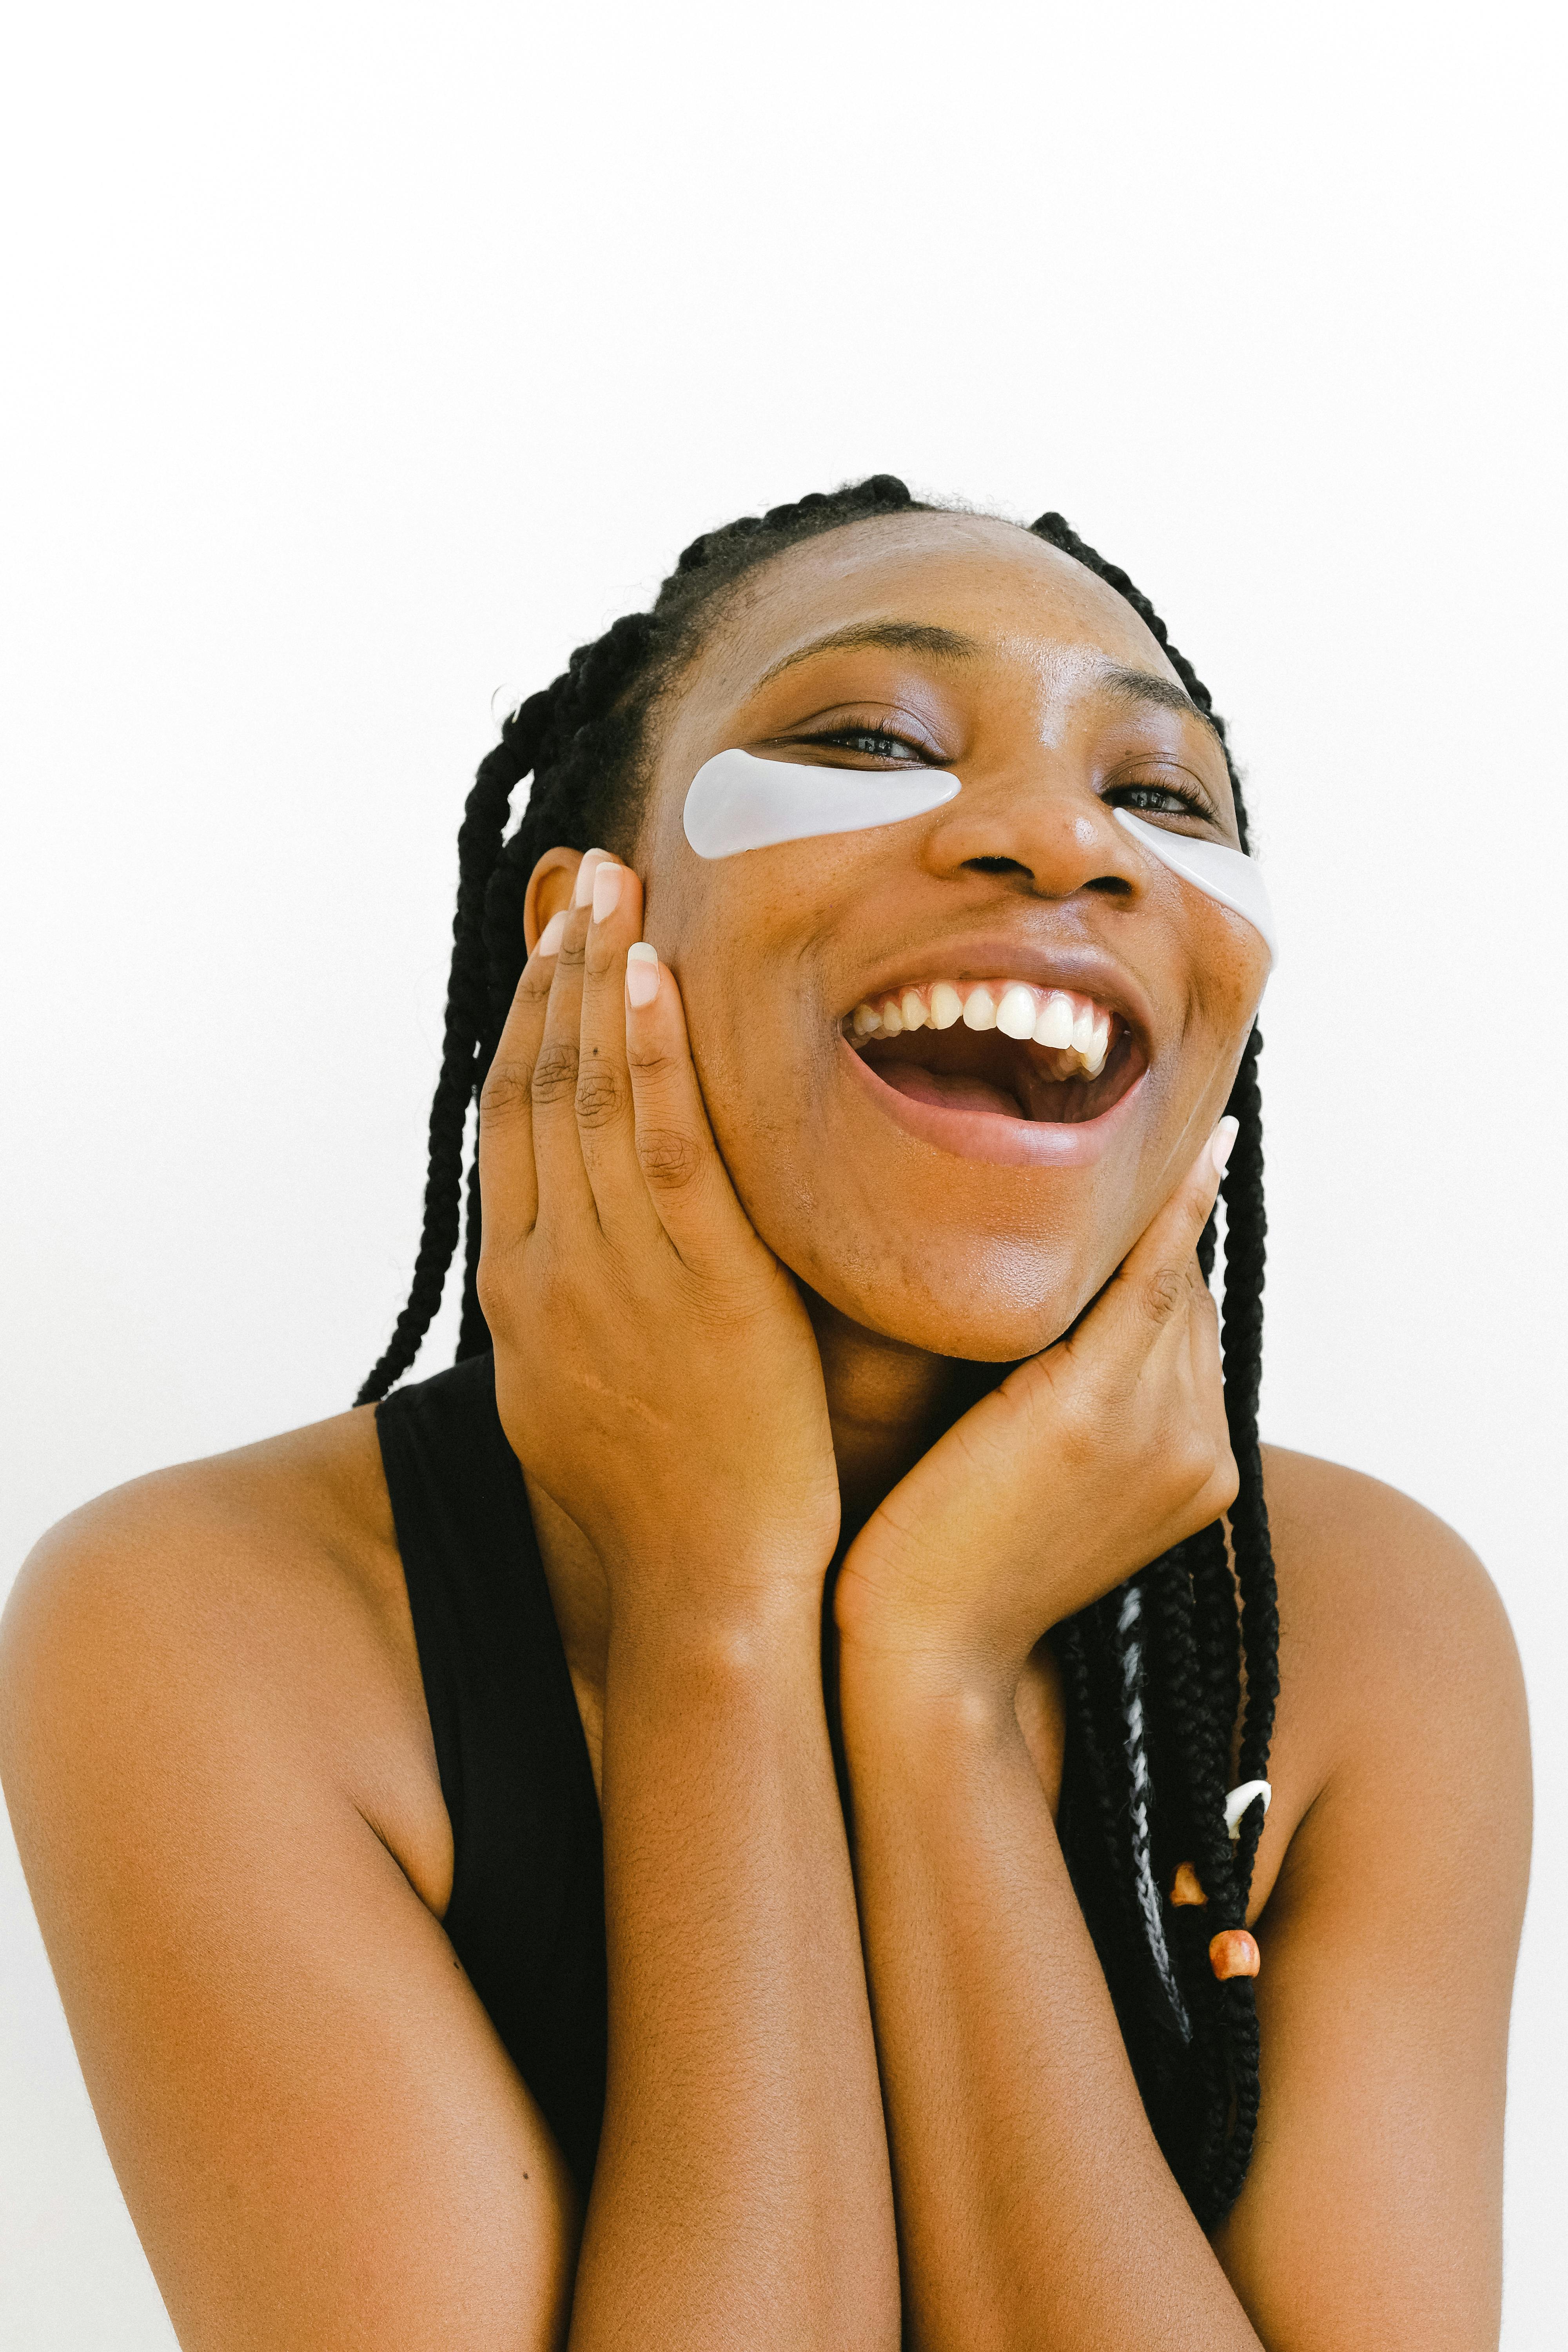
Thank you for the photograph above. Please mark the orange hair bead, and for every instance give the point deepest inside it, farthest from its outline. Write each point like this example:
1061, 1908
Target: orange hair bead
1233, 1953
1187, 1887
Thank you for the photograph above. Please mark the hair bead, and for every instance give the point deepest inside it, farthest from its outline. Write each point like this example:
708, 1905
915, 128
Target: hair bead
1234, 1953
1240, 1801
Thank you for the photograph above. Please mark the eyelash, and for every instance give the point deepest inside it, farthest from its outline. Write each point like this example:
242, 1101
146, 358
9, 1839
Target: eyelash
870, 740
1134, 796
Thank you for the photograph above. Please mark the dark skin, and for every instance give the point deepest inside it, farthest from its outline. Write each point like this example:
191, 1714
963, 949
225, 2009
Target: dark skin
703, 1222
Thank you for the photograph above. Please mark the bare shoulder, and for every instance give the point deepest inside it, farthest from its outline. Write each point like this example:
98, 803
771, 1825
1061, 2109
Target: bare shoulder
1402, 1700
313, 1494
1375, 1588
268, 1579
1362, 1563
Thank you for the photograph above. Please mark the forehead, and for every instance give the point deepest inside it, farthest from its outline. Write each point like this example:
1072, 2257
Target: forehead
1022, 599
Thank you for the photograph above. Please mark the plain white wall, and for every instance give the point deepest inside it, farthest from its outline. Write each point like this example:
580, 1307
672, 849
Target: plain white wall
369, 357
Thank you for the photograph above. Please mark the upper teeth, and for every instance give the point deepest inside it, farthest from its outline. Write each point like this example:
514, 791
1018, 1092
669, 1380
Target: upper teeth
1071, 1025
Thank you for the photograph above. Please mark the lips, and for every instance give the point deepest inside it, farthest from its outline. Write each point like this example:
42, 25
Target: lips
1007, 1068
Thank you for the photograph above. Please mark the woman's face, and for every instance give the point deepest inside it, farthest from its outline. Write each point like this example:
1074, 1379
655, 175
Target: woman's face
952, 1188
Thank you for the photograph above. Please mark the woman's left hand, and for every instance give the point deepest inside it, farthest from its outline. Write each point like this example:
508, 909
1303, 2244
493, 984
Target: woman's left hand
1086, 1463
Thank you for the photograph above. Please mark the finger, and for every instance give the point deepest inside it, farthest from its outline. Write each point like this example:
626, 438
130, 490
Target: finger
1207, 1373
508, 1189
1150, 1290
606, 1125
686, 1180
1203, 1343
564, 1189
1158, 1267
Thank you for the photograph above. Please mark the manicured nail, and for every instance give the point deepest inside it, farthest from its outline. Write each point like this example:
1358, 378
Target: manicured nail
607, 880
550, 937
1220, 1143
642, 976
583, 892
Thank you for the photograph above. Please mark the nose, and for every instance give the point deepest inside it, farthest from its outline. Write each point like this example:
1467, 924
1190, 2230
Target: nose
1056, 837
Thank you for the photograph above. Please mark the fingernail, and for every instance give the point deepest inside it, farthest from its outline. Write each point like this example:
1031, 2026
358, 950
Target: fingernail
642, 976
607, 879
584, 890
1220, 1143
550, 937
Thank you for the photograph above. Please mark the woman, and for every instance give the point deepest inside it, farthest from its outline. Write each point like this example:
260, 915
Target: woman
838, 1498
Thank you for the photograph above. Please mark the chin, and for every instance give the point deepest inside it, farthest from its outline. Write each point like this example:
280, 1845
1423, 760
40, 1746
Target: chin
990, 1304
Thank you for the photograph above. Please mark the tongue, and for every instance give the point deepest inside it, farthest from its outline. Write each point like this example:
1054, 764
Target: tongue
949, 1089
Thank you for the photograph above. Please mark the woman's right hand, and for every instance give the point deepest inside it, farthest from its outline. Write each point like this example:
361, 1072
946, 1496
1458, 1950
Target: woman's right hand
655, 1371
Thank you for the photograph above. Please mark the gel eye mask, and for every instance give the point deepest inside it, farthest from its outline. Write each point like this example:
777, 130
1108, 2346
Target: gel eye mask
1212, 866
737, 802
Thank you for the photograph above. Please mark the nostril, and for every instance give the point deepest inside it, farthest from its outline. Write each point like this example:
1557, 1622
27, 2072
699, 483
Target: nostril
1115, 886
995, 865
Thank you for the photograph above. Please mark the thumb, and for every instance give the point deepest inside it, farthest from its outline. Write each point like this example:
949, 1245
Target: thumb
1152, 1279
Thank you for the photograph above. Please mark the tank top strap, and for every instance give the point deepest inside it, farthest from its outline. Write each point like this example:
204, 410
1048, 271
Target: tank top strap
527, 1913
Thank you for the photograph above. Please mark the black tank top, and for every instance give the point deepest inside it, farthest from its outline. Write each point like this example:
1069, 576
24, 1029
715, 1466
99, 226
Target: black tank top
527, 1913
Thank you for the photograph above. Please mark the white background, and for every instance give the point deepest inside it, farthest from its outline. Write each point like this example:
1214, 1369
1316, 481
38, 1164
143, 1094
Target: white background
371, 356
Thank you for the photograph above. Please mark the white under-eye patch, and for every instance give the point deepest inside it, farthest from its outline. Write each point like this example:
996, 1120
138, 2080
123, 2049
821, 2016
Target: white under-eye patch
1212, 866
738, 801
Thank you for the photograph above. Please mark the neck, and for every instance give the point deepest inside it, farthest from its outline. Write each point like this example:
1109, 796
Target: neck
888, 1403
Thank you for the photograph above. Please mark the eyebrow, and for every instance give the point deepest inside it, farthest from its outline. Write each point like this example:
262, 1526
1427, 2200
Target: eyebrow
1146, 686
894, 636
1118, 680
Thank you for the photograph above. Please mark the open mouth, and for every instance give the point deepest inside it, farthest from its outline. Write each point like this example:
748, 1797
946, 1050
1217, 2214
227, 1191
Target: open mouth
1007, 1049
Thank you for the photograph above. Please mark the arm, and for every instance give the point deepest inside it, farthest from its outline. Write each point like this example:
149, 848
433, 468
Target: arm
742, 2195
1034, 2208
220, 1779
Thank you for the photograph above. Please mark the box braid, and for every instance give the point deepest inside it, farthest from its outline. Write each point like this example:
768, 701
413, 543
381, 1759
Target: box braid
1185, 1626
1153, 1674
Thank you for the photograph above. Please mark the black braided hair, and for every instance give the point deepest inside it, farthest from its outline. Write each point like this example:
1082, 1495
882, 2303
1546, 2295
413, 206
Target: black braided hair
1153, 1672
479, 846
1214, 1616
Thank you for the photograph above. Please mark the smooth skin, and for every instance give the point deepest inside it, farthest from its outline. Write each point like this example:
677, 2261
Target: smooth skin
868, 2090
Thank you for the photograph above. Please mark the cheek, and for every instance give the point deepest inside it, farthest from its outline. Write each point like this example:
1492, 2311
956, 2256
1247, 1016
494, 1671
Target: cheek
746, 938
1230, 967
757, 1015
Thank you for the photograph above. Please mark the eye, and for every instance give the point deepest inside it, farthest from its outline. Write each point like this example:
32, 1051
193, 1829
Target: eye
873, 743
1161, 799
